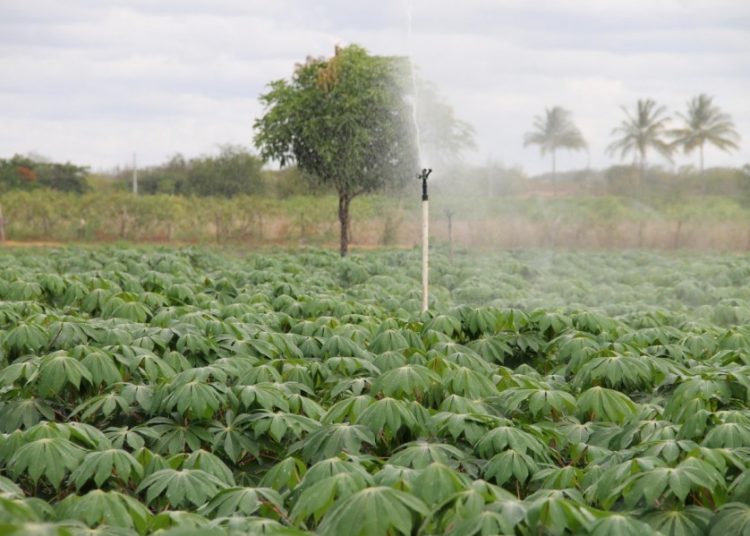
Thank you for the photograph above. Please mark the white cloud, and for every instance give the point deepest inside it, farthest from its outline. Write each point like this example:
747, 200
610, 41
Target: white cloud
93, 81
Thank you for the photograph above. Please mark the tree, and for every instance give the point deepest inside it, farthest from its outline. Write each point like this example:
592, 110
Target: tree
167, 178
27, 173
640, 132
705, 122
345, 121
443, 136
555, 130
234, 172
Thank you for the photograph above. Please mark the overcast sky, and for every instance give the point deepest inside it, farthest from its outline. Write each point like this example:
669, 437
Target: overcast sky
92, 81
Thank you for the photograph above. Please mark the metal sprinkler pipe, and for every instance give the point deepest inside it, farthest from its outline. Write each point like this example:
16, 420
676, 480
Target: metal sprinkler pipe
423, 175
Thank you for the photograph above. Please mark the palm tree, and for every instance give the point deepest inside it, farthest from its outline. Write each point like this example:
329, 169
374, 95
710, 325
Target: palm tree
640, 132
705, 122
555, 130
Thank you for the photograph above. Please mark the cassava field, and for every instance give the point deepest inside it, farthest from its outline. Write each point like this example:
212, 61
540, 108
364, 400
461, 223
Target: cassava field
194, 392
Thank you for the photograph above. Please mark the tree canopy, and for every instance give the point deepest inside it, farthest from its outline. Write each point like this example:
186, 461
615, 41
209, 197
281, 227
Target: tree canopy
444, 137
705, 123
26, 173
235, 171
639, 132
555, 130
346, 121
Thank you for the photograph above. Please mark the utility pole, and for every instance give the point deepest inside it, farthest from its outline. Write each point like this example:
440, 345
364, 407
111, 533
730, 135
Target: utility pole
135, 176
425, 238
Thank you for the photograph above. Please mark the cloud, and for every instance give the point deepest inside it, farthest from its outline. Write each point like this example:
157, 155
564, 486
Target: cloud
94, 81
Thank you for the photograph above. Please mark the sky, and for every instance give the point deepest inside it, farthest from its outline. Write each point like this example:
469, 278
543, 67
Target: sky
93, 81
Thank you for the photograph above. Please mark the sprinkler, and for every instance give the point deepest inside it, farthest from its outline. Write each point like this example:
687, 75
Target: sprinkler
423, 175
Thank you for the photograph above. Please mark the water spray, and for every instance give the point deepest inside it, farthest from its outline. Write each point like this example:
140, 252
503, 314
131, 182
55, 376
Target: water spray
423, 175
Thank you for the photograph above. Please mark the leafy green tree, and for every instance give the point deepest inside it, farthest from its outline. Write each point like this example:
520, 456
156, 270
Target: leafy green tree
346, 121
639, 132
705, 123
555, 130
24, 173
168, 178
235, 171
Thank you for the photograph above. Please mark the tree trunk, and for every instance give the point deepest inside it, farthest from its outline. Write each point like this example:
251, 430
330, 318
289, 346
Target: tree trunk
217, 224
2, 225
641, 173
123, 223
703, 177
345, 222
554, 173
677, 235
259, 232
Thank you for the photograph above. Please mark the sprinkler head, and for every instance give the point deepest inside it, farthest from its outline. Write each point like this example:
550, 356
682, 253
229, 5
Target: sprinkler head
423, 175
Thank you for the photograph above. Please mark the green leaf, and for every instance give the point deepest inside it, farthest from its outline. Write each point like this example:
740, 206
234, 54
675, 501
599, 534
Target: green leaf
409, 381
211, 464
732, 518
728, 435
316, 498
388, 416
420, 454
285, 475
689, 475
186, 486
278, 425
50, 457
556, 511
57, 369
539, 402
21, 369
25, 337
176, 436
103, 465
232, 437
102, 368
388, 340
510, 463
110, 507
469, 426
692, 521
333, 439
625, 372
261, 395
509, 437
24, 413
469, 383
600, 403
102, 405
131, 437
374, 511
436, 482
619, 525
246, 502
195, 398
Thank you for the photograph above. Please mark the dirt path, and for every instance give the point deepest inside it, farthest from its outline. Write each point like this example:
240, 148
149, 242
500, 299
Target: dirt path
30, 244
